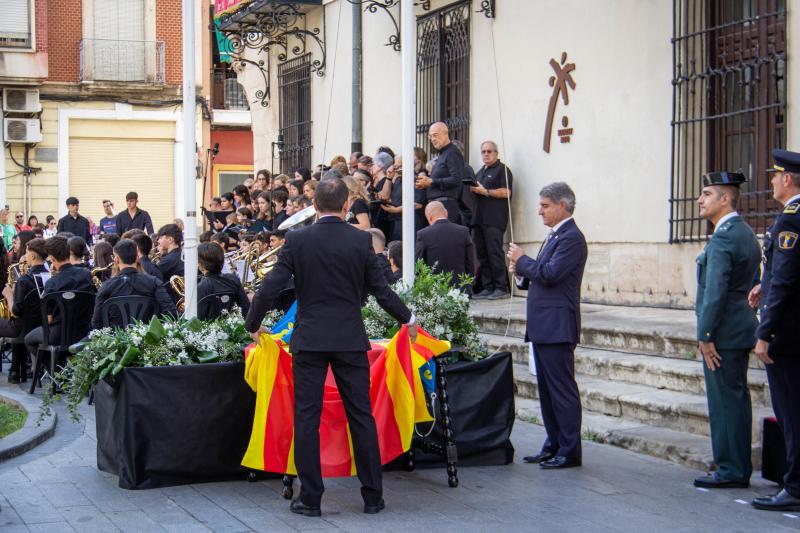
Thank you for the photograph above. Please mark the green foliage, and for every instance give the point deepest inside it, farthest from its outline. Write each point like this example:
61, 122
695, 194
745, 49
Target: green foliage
11, 418
162, 342
441, 309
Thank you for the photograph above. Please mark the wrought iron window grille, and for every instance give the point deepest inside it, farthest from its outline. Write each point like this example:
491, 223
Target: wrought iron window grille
294, 88
443, 57
728, 107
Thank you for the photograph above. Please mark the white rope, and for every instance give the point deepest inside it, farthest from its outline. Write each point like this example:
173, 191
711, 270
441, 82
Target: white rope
333, 83
505, 174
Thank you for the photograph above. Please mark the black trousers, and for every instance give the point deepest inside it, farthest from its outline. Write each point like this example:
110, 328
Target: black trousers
35, 337
11, 330
489, 249
559, 398
453, 212
784, 376
351, 370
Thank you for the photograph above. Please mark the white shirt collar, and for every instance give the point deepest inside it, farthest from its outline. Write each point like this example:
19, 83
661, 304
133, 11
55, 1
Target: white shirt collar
792, 199
557, 226
724, 219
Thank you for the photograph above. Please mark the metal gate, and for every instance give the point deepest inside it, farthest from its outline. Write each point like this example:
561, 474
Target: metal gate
443, 72
729, 104
294, 85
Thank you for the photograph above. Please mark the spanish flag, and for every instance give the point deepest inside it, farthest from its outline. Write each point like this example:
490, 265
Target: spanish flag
398, 369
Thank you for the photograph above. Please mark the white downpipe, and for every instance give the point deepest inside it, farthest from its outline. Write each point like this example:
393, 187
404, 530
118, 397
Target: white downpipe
189, 156
409, 112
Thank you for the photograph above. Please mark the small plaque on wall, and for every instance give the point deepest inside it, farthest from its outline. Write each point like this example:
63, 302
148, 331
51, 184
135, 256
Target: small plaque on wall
46, 155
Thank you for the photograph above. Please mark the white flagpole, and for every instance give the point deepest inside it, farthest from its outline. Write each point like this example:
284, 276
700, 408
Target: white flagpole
189, 156
409, 110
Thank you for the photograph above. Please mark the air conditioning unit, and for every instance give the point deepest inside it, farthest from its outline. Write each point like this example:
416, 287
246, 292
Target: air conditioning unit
21, 101
21, 130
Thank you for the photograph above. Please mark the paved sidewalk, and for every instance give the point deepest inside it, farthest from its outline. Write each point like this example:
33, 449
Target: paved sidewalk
56, 487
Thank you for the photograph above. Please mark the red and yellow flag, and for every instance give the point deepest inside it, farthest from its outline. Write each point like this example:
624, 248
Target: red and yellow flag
396, 393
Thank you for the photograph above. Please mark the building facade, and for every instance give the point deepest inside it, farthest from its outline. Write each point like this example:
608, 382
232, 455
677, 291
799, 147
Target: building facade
629, 102
105, 76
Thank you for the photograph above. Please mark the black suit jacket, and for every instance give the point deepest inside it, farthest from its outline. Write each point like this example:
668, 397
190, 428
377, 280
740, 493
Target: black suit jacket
448, 246
332, 263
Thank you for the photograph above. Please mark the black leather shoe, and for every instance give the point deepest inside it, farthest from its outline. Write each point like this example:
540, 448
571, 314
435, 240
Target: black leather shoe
498, 294
539, 457
783, 501
559, 461
375, 509
299, 507
712, 480
483, 295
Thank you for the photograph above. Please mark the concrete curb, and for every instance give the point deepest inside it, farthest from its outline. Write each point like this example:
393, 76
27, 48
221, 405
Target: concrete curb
30, 435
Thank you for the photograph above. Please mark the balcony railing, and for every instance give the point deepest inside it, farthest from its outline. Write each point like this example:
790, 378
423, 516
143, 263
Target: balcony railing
122, 61
227, 93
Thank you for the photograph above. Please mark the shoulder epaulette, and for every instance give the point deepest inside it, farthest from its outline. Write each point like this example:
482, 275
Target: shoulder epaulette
791, 209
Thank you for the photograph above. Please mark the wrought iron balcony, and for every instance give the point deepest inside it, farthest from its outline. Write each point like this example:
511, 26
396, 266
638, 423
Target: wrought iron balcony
226, 91
122, 61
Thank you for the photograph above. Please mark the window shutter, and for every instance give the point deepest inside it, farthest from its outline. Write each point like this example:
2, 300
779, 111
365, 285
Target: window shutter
15, 21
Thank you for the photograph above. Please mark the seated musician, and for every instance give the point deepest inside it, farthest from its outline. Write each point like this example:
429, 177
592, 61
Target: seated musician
144, 246
68, 277
170, 238
78, 252
35, 256
210, 259
277, 238
130, 282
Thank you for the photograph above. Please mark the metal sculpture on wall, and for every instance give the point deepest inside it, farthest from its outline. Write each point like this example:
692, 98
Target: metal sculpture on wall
276, 26
561, 82
372, 6
487, 8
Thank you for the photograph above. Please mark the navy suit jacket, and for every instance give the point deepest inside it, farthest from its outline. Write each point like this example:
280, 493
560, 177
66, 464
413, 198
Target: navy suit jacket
553, 281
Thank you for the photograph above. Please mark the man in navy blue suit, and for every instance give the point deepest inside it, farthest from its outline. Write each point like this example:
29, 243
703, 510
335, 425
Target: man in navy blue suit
553, 280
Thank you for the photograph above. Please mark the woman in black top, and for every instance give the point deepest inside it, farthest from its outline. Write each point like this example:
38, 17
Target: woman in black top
358, 214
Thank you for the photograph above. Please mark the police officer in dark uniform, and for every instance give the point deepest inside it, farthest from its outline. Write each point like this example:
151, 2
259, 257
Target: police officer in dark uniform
210, 259
130, 282
778, 344
25, 312
726, 328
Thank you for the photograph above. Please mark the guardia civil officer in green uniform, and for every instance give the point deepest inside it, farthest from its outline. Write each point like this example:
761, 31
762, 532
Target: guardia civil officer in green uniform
726, 328
778, 344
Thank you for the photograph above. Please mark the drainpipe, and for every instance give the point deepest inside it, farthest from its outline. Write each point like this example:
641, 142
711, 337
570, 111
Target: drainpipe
356, 144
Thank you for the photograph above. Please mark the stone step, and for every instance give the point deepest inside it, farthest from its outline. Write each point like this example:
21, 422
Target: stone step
679, 411
659, 372
693, 451
652, 331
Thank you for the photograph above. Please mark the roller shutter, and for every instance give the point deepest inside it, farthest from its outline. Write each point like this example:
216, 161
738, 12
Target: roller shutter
109, 168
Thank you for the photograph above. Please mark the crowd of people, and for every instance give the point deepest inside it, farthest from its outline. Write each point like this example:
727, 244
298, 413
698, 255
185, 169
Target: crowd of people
470, 210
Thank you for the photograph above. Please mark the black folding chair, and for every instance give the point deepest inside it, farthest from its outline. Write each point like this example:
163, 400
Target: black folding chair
31, 318
211, 305
120, 311
72, 327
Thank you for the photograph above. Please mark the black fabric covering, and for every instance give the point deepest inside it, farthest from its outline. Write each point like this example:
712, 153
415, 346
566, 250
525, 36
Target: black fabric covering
165, 426
773, 452
481, 397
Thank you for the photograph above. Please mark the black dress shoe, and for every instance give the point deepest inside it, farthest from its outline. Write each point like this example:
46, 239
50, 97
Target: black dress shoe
483, 295
539, 457
715, 481
559, 461
375, 509
783, 501
299, 507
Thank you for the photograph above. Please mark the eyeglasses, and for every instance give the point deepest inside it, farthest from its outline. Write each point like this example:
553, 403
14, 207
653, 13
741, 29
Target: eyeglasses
20, 216
488, 151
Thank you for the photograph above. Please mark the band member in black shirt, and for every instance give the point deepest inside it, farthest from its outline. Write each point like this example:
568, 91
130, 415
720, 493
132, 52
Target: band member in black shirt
25, 307
130, 282
75, 223
210, 259
144, 244
445, 181
133, 217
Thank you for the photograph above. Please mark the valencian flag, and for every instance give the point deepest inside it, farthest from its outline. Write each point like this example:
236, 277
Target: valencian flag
398, 369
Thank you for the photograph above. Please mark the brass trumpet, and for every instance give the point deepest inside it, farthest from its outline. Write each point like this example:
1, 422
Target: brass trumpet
15, 271
178, 285
99, 274
262, 266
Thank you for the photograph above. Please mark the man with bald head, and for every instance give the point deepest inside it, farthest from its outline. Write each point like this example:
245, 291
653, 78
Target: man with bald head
444, 183
443, 245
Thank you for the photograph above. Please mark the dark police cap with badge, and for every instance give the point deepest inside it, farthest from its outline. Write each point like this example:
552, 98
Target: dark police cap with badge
723, 178
785, 161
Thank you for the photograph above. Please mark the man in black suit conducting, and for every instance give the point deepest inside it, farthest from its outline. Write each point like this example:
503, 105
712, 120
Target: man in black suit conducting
333, 265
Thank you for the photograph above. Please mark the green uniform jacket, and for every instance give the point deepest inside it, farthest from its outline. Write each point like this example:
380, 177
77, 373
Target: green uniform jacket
726, 271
